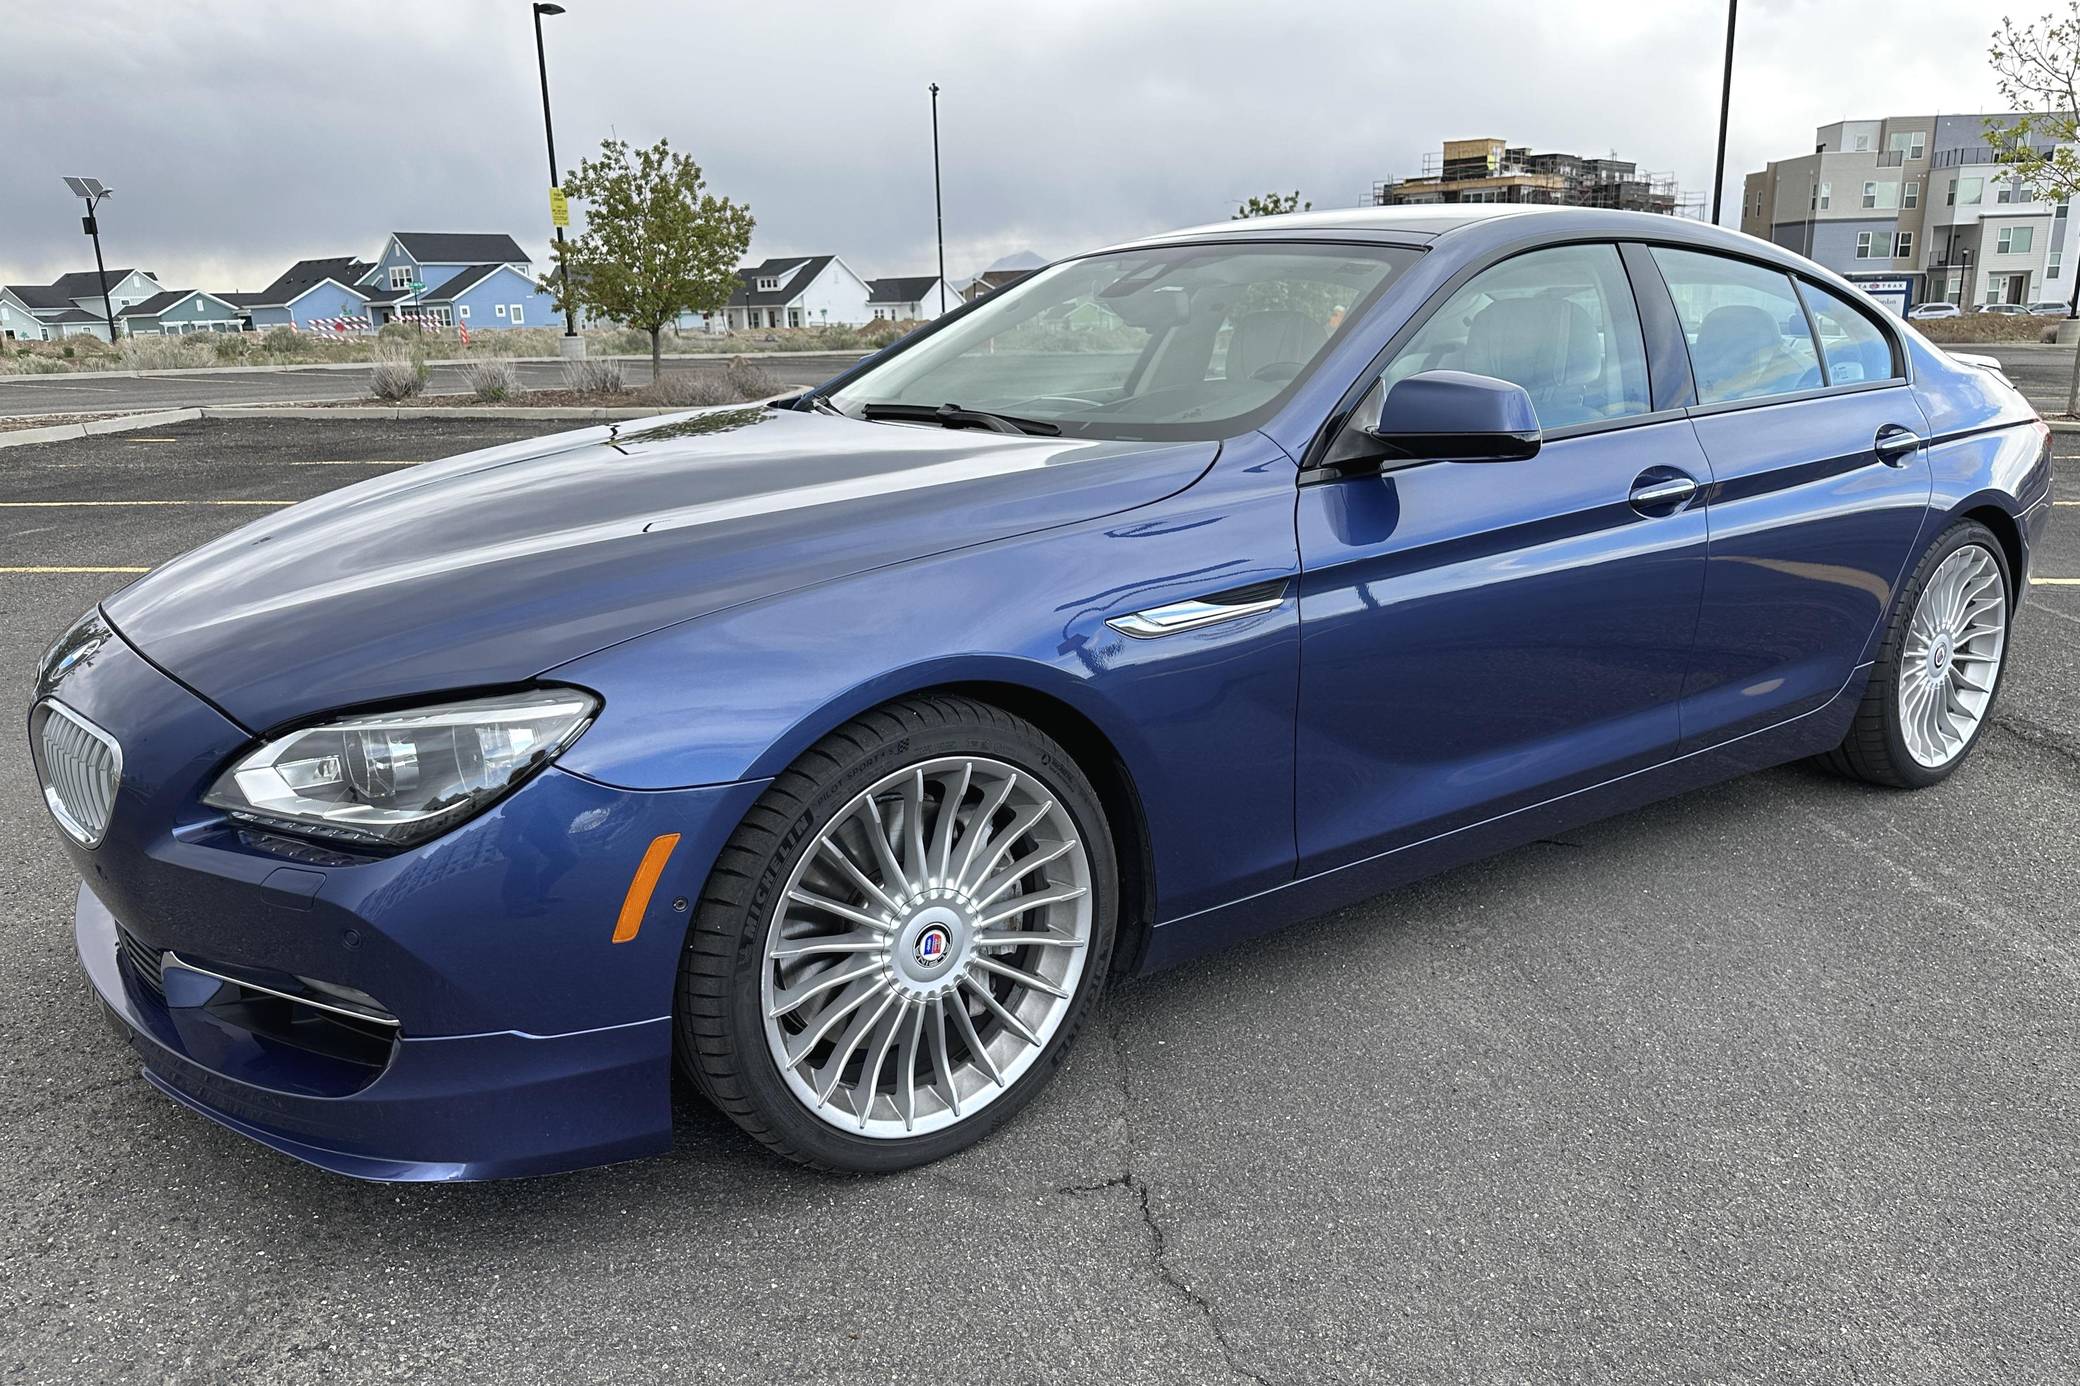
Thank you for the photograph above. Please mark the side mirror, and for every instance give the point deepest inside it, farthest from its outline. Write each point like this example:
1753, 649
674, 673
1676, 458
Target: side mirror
1448, 416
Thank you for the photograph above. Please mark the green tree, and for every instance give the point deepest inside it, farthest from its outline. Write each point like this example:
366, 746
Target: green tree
655, 244
2037, 67
1272, 204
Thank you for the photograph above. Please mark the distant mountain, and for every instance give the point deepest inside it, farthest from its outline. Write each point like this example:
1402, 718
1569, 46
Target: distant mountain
1022, 260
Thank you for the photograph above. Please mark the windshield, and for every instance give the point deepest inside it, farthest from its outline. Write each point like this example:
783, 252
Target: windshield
1172, 342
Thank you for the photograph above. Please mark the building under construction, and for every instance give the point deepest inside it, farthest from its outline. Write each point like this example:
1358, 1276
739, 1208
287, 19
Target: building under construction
1495, 171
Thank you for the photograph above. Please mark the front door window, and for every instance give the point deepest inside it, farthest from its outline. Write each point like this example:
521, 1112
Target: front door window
1559, 322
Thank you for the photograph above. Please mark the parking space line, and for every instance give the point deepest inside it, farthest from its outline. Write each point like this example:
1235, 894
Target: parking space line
56, 569
73, 505
355, 462
2055, 582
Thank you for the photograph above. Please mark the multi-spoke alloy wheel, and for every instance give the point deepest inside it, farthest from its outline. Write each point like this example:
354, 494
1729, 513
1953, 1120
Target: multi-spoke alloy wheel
1938, 666
926, 947
1951, 658
901, 938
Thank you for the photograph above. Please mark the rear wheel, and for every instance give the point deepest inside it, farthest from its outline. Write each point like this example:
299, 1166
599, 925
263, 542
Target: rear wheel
1937, 673
901, 939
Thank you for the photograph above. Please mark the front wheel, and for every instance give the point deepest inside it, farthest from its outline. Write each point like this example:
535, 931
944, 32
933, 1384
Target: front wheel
901, 939
1932, 691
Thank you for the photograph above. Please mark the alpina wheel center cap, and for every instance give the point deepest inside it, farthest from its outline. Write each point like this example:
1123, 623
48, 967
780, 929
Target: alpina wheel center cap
929, 945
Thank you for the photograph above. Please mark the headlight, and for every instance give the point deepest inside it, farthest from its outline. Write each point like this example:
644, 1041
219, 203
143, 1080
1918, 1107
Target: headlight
401, 777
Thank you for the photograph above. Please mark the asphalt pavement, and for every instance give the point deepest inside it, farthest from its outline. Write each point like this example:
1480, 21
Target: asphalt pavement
2043, 373
1772, 1082
52, 394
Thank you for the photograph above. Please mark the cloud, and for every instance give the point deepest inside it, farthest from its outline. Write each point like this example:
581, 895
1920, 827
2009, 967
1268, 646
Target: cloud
242, 135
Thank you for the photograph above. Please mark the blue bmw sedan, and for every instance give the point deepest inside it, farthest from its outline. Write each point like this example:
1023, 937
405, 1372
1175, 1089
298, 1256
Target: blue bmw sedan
837, 752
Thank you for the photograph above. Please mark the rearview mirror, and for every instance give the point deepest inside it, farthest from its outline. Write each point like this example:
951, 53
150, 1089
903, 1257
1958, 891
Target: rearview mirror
1447, 416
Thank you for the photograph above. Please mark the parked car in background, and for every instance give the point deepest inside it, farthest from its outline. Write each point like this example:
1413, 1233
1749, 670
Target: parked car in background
2004, 310
1935, 310
2049, 308
841, 751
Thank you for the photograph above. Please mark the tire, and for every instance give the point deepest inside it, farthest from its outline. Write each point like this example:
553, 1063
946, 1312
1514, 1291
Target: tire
901, 954
1887, 744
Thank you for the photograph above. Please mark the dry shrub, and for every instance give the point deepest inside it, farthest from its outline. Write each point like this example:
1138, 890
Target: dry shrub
396, 374
751, 382
493, 379
594, 376
690, 390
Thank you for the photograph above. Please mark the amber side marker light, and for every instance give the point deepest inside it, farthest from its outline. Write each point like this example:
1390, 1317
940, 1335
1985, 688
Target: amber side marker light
638, 898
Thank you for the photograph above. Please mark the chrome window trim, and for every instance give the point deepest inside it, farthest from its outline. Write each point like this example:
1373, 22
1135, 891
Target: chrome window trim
52, 800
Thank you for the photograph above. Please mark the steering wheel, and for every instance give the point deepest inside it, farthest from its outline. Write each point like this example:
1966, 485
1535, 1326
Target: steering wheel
1276, 371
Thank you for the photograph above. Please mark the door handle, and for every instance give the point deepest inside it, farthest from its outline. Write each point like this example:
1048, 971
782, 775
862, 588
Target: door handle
1895, 443
1662, 492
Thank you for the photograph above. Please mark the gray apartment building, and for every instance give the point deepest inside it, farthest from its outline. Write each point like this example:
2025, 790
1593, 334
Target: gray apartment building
1914, 208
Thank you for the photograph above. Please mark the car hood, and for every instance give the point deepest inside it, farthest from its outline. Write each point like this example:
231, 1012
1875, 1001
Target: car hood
494, 566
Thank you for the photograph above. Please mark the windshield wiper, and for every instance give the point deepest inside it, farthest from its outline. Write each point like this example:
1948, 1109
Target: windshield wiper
954, 416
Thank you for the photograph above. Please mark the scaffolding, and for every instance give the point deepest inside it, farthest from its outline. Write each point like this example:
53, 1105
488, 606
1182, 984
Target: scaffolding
1490, 170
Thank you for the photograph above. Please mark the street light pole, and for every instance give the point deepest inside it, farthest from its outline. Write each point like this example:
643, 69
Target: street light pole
1725, 108
541, 58
108, 310
92, 191
938, 203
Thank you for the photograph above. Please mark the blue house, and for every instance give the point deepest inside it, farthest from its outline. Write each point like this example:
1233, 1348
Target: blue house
470, 279
178, 311
480, 281
18, 320
306, 293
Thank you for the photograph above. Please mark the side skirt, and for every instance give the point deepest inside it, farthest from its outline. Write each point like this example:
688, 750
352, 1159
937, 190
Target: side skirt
1179, 940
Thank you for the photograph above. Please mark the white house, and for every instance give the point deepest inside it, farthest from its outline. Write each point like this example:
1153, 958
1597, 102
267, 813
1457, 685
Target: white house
910, 298
71, 305
796, 291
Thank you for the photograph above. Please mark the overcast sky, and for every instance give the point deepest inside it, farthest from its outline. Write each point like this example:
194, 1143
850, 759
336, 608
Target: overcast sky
243, 135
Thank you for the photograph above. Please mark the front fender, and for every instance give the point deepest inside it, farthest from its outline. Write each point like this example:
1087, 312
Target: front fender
1202, 720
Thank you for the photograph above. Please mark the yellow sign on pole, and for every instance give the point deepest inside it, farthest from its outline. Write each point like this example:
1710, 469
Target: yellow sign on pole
559, 208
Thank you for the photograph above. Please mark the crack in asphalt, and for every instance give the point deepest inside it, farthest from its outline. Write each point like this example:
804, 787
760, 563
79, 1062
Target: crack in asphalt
2037, 735
1159, 1240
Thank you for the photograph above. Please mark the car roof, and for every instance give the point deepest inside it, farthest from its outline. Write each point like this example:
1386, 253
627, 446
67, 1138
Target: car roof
1491, 223
1477, 231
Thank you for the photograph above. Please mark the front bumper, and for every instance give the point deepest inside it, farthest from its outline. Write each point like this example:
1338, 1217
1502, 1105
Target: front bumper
510, 1035
459, 1107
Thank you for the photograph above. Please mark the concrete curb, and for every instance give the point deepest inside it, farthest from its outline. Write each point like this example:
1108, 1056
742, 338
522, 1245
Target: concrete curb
643, 357
128, 423
2063, 425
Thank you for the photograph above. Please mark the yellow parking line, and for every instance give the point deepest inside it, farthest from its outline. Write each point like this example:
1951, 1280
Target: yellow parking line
2054, 582
74, 570
72, 505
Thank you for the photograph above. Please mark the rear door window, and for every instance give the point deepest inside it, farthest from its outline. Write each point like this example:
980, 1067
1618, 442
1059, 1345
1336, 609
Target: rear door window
1747, 330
